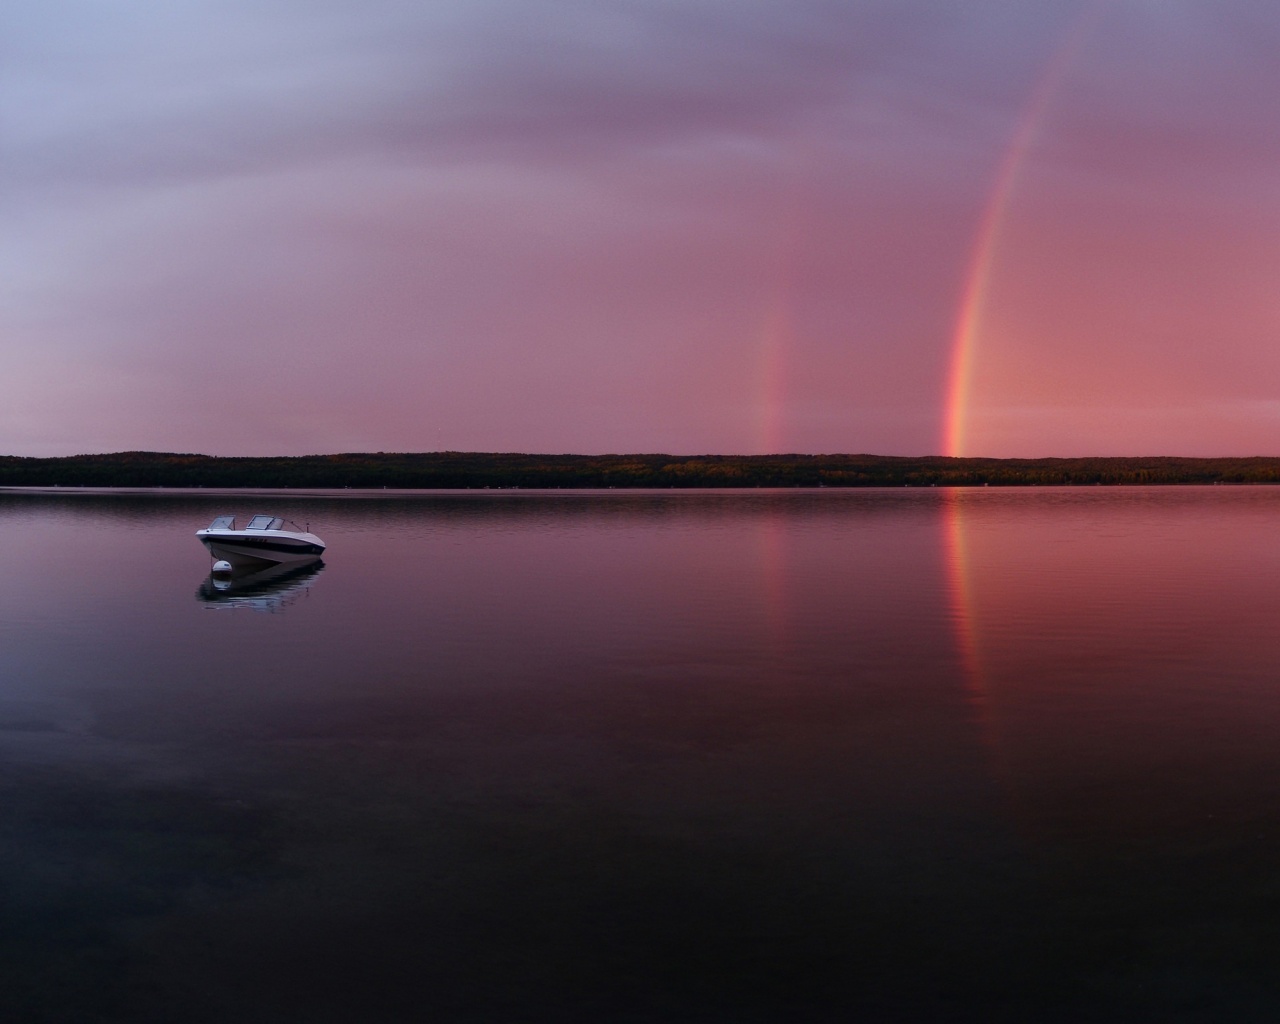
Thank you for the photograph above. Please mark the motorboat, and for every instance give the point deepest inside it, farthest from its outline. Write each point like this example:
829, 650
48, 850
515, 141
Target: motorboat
263, 541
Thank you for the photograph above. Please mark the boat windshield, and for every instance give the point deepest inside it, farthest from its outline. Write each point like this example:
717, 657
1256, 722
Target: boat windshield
223, 523
265, 523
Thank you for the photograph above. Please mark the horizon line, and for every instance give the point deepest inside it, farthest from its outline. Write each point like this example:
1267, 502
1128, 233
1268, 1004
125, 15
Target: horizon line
652, 454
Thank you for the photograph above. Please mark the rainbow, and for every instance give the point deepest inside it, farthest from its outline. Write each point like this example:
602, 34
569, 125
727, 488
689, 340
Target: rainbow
977, 280
777, 330
776, 337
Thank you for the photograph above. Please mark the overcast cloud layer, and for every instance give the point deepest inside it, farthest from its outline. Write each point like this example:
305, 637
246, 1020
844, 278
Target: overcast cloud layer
708, 225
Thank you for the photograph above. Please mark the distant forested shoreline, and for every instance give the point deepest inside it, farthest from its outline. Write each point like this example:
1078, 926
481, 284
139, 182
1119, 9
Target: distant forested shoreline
479, 470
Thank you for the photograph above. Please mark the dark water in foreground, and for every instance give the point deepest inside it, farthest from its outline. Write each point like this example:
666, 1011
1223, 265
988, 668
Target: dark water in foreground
645, 757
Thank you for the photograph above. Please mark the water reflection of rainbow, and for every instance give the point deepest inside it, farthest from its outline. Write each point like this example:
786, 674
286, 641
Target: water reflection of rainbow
977, 279
1117, 650
962, 548
961, 600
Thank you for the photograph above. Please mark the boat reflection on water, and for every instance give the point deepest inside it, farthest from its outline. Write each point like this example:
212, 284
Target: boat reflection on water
264, 590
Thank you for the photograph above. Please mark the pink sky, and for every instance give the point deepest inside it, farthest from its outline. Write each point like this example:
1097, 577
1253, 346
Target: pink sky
698, 226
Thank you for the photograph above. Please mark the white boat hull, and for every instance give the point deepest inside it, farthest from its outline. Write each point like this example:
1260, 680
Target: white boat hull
261, 547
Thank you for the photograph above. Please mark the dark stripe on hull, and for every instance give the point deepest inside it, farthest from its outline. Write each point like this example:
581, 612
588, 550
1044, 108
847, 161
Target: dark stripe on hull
241, 551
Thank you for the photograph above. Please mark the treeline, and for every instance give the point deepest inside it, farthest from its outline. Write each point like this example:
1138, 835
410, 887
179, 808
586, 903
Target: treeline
479, 470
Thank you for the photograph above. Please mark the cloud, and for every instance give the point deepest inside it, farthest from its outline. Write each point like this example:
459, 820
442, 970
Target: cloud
156, 93
569, 225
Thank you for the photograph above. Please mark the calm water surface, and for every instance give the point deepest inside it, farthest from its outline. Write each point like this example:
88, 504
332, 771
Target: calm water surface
645, 757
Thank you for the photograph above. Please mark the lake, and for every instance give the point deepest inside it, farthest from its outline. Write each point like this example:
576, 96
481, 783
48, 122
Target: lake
674, 756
